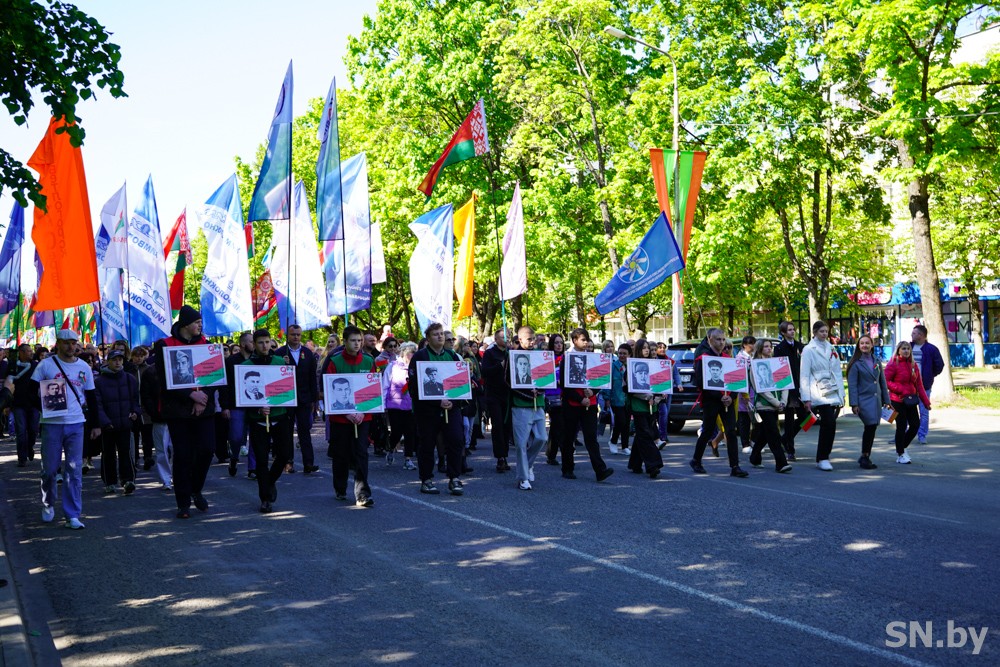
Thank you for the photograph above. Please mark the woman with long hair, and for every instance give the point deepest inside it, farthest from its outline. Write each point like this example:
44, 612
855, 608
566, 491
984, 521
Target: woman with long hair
553, 402
767, 405
868, 392
906, 391
821, 386
399, 405
617, 401
642, 405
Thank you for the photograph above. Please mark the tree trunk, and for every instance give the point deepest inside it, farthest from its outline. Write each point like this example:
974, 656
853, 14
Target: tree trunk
731, 320
976, 315
927, 275
815, 311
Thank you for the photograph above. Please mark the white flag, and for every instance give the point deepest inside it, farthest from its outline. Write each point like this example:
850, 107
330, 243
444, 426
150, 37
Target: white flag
296, 271
378, 256
148, 314
514, 270
431, 274
112, 237
111, 324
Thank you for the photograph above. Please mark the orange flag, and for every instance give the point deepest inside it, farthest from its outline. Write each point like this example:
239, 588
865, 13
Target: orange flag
465, 232
63, 234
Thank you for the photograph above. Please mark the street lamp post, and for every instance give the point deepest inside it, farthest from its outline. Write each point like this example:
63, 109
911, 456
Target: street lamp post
678, 311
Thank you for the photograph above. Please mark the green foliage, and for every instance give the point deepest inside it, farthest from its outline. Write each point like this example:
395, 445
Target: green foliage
62, 51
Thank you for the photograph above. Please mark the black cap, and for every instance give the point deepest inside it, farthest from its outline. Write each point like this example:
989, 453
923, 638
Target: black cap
188, 316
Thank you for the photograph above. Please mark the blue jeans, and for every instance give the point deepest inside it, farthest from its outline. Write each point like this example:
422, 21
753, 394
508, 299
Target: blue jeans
663, 417
56, 439
238, 432
925, 423
26, 427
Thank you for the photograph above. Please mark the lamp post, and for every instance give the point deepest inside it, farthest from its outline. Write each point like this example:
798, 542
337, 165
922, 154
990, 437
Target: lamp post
678, 311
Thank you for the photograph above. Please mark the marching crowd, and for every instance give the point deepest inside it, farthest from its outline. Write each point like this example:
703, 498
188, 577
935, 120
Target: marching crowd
114, 402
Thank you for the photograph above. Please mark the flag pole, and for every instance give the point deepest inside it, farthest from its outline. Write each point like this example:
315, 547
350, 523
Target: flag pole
496, 234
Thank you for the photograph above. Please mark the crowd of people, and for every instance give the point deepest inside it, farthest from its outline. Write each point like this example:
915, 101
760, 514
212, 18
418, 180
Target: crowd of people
114, 402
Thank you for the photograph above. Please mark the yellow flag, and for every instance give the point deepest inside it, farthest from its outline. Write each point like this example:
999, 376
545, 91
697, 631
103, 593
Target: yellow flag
465, 234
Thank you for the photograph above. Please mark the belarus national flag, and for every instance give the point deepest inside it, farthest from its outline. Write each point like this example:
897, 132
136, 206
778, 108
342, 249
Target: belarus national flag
469, 141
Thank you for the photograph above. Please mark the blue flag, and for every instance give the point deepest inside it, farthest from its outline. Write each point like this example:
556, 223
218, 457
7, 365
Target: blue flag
225, 285
148, 313
272, 194
113, 325
656, 259
354, 250
295, 270
329, 195
10, 261
432, 266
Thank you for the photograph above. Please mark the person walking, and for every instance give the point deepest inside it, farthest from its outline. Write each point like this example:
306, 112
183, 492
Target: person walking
497, 398
821, 387
26, 414
239, 431
307, 393
118, 411
643, 406
716, 405
868, 394
744, 423
553, 402
527, 416
190, 417
149, 398
621, 422
580, 413
794, 413
767, 405
399, 405
928, 358
906, 391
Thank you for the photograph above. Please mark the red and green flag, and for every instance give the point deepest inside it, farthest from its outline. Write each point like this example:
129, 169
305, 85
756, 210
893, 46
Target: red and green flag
178, 243
808, 422
469, 141
263, 298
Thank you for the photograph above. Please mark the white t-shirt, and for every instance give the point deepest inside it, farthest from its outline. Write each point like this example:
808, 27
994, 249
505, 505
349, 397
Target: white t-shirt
80, 376
917, 353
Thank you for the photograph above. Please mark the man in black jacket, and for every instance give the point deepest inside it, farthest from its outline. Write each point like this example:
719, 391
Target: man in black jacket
238, 429
307, 391
794, 411
715, 404
493, 366
26, 415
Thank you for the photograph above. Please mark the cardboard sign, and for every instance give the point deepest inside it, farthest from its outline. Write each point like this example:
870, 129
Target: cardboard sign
723, 374
193, 366
260, 386
773, 374
54, 395
650, 376
350, 393
443, 380
534, 369
587, 370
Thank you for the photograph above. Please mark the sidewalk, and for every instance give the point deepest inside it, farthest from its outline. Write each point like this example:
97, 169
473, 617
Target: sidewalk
975, 378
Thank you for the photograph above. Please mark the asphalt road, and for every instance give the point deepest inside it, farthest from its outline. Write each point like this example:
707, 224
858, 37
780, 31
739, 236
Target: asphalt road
682, 570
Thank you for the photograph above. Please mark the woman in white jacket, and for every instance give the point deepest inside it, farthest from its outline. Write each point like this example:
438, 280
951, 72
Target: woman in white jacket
821, 387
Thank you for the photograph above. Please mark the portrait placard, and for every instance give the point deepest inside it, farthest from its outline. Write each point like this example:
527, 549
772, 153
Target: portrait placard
587, 370
193, 366
348, 393
265, 386
53, 395
650, 376
773, 374
723, 374
532, 369
443, 380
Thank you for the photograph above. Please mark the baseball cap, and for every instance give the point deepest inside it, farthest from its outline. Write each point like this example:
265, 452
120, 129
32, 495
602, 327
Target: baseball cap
67, 334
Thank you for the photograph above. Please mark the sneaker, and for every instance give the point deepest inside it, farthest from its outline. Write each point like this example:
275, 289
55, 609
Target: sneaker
184, 514
613, 448
232, 467
110, 490
409, 465
921, 441
200, 502
747, 450
427, 486
265, 507
756, 460
825, 465
568, 475
251, 475
85, 469
903, 458
785, 468
551, 461
74, 524
627, 451
524, 485
59, 479
662, 443
738, 472
48, 514
341, 495
531, 473
167, 487
308, 470
455, 487
655, 472
502, 465
866, 463
128, 488
604, 474
698, 468
244, 451
364, 501
790, 456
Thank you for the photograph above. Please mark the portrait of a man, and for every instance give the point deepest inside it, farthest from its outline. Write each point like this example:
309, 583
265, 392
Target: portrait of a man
641, 380
342, 395
522, 369
763, 374
54, 396
431, 385
578, 370
253, 386
182, 367
715, 380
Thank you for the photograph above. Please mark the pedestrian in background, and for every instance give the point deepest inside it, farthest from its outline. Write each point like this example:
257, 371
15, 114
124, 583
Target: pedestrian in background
906, 390
868, 394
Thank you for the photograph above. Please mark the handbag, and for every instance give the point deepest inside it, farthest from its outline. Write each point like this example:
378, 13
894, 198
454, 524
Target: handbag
911, 400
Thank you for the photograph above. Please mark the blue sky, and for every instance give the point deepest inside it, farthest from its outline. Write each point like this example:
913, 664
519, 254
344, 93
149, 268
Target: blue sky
202, 79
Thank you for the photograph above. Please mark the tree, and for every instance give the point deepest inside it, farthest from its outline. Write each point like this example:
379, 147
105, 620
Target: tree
62, 51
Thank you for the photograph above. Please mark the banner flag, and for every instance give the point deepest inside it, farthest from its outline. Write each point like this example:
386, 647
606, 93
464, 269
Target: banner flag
271, 195
178, 244
656, 259
378, 255
430, 266
225, 284
465, 234
10, 261
113, 325
689, 168
514, 270
112, 235
329, 196
63, 233
356, 247
296, 272
148, 313
469, 141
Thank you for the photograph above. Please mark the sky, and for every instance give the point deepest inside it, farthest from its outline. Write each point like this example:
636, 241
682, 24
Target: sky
202, 80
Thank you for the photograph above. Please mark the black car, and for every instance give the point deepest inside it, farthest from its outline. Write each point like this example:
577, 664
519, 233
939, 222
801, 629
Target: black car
682, 405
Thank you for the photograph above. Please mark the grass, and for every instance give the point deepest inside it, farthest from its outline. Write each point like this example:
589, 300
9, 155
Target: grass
982, 397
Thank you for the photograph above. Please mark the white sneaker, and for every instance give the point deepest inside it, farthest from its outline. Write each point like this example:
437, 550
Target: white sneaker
531, 473
747, 450
524, 485
48, 514
627, 452
59, 478
408, 465
825, 465
903, 458
74, 524
613, 447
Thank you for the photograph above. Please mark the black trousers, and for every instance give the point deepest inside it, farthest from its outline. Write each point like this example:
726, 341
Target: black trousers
221, 438
194, 444
643, 449
868, 439
116, 456
402, 427
349, 450
303, 416
585, 420
620, 432
431, 424
277, 440
500, 428
744, 426
768, 434
907, 423
712, 410
793, 420
556, 428
827, 415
